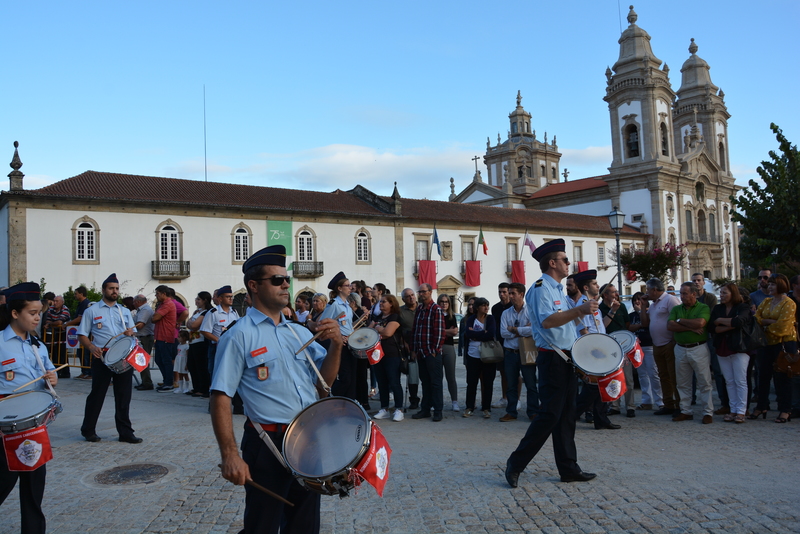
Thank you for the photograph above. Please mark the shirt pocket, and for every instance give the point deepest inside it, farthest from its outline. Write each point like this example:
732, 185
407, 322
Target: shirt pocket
12, 367
268, 360
97, 319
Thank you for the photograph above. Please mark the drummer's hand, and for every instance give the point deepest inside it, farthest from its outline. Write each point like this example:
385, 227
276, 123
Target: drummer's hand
235, 470
51, 377
97, 352
128, 332
330, 330
588, 308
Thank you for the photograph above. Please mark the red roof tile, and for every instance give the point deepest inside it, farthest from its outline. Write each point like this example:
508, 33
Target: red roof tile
593, 182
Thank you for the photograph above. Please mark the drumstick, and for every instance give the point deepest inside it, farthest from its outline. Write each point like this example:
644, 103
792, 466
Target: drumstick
43, 376
310, 341
251, 482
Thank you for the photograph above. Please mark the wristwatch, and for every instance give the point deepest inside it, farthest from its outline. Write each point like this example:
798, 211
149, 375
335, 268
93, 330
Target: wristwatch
678, 321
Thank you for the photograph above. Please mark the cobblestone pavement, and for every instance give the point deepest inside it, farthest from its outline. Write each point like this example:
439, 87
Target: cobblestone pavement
653, 476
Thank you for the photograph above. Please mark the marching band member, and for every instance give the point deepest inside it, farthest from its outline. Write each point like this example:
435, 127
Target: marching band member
20, 363
256, 357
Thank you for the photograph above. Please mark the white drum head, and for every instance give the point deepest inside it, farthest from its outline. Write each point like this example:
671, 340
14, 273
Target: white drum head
597, 354
326, 438
363, 339
119, 349
626, 339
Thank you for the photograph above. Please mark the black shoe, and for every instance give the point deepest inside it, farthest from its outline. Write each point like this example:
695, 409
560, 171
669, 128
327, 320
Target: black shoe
414, 405
142, 387
589, 418
664, 411
631, 413
609, 426
581, 476
94, 438
437, 416
511, 477
612, 411
164, 388
132, 439
421, 415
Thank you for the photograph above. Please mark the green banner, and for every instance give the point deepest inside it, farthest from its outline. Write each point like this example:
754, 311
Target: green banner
280, 233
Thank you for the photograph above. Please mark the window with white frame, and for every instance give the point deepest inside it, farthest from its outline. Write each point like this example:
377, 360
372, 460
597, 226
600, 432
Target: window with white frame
242, 243
468, 249
85, 241
169, 243
601, 253
420, 249
305, 246
363, 247
512, 252
577, 251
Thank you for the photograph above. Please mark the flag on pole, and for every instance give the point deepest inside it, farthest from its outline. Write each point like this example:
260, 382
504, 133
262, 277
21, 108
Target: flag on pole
482, 241
528, 242
436, 241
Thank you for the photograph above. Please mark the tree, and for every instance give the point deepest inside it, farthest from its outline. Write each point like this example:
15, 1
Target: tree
653, 261
769, 215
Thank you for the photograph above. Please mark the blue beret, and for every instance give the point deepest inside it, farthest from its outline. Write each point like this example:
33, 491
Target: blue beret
335, 280
224, 290
112, 279
23, 291
556, 245
584, 277
274, 255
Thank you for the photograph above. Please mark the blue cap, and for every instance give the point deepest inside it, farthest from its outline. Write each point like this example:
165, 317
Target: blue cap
23, 291
556, 245
223, 290
335, 280
273, 255
112, 279
583, 277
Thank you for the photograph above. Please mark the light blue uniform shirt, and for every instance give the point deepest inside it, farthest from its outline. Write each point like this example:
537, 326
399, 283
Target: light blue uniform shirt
593, 324
218, 321
278, 394
337, 307
18, 363
543, 300
104, 322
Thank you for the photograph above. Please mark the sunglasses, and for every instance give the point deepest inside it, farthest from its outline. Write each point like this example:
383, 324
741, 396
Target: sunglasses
276, 280
763, 277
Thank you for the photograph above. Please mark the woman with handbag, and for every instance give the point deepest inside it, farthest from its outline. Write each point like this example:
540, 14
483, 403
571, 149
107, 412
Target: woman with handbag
728, 319
480, 329
449, 349
777, 316
387, 371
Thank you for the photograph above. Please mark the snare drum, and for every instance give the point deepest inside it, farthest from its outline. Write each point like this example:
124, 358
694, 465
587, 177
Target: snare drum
596, 355
363, 341
626, 340
324, 442
28, 410
117, 351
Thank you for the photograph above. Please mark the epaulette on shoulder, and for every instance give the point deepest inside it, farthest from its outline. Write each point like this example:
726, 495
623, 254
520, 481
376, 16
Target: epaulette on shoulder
538, 283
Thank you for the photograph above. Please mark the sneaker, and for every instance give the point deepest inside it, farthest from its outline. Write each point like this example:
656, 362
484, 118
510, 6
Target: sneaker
382, 414
456, 407
502, 403
178, 390
519, 405
487, 414
164, 388
398, 416
467, 413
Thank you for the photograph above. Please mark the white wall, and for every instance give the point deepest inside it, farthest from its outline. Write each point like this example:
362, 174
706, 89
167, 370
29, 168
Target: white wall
598, 207
635, 202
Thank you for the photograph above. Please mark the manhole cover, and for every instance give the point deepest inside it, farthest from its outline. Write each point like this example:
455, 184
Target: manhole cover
131, 474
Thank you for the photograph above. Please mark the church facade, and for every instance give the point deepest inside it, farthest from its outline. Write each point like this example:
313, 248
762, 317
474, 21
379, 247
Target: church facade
670, 173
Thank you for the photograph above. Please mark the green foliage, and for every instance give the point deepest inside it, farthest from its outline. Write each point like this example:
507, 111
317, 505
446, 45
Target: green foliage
653, 261
769, 215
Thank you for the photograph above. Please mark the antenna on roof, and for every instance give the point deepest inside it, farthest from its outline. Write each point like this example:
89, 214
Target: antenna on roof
205, 145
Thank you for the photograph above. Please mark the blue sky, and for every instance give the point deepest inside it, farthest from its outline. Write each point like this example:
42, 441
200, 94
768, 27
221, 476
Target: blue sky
317, 95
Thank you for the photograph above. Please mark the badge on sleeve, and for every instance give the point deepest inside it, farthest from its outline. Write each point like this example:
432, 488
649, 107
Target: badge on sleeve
263, 372
9, 375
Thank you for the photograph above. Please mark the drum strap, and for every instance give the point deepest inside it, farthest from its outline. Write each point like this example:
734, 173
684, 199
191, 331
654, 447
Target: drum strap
270, 445
562, 354
325, 385
44, 370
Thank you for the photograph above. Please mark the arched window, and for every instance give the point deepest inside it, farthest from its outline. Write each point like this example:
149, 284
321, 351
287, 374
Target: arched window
513, 127
305, 244
168, 243
701, 225
542, 168
664, 140
700, 192
363, 247
712, 226
722, 155
242, 240
689, 218
631, 138
85, 241
553, 174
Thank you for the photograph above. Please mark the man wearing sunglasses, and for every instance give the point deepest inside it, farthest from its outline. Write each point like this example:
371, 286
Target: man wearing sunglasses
257, 358
758, 296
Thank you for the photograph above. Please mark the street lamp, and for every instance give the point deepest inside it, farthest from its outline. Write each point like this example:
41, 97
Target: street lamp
617, 220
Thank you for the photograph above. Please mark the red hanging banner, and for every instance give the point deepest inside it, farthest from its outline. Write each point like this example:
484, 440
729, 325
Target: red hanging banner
472, 274
28, 450
427, 272
518, 272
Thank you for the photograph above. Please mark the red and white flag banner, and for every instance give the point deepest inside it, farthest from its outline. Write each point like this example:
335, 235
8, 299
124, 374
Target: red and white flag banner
27, 450
374, 467
612, 386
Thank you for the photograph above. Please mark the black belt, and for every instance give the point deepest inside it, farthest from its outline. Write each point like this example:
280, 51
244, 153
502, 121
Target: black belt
690, 345
513, 350
567, 352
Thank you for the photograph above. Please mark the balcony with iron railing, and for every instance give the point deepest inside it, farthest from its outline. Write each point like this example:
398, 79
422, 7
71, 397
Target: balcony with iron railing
704, 238
307, 269
169, 269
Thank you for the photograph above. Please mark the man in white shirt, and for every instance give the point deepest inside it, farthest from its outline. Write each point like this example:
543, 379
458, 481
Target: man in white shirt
514, 324
655, 314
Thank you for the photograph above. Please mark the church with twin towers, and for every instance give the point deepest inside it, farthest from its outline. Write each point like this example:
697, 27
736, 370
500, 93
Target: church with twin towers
670, 172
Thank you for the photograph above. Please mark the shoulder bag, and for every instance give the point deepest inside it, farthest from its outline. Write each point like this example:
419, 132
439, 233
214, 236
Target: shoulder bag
491, 351
753, 336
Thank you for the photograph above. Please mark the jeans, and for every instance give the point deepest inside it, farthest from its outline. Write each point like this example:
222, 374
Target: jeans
431, 374
513, 367
449, 362
483, 372
649, 380
783, 386
387, 373
697, 360
165, 356
734, 369
719, 377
